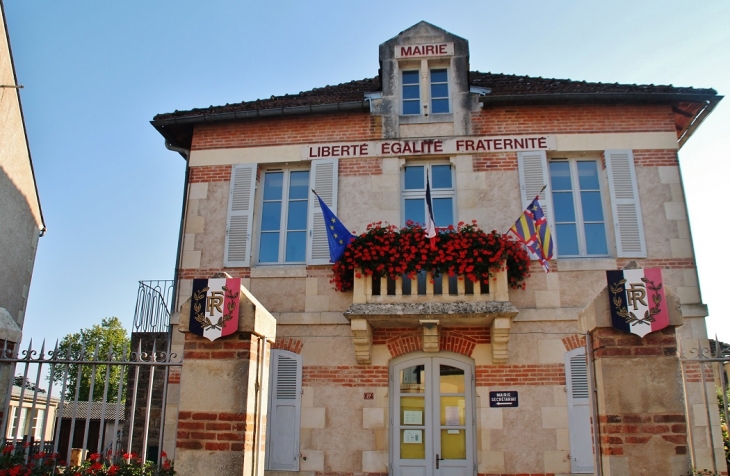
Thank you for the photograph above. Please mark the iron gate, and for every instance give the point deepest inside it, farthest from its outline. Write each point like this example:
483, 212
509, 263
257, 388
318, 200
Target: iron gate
707, 364
38, 414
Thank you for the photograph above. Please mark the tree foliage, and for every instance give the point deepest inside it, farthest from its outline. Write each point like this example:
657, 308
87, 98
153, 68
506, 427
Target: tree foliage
102, 338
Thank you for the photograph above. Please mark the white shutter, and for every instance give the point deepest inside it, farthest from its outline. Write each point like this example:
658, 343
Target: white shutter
240, 216
323, 179
627, 222
534, 175
285, 398
579, 411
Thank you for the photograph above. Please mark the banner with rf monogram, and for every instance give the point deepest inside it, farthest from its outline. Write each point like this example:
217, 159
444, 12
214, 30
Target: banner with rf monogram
214, 307
637, 301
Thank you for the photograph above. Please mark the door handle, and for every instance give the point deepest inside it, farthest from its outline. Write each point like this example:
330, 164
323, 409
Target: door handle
437, 460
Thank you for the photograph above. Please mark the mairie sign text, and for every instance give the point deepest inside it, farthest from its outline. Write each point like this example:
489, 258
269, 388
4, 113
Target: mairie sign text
448, 146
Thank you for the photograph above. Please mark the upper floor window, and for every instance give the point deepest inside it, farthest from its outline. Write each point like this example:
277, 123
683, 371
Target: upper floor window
436, 94
285, 228
283, 237
411, 92
580, 225
439, 91
443, 193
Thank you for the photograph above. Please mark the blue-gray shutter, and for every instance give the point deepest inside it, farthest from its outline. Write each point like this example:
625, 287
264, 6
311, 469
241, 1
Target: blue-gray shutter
534, 175
579, 411
237, 252
323, 179
284, 416
627, 221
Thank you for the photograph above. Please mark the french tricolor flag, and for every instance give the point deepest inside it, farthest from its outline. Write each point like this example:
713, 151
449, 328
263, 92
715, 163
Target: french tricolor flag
430, 222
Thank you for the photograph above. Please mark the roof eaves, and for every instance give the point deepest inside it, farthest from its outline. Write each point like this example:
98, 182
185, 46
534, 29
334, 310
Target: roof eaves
595, 97
272, 112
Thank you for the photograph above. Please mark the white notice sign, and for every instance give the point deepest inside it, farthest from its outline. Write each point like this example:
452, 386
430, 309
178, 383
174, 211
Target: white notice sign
412, 417
452, 416
413, 436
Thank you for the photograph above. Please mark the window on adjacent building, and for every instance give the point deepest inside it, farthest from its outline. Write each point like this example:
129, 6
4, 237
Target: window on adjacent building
580, 225
443, 193
439, 91
284, 212
411, 92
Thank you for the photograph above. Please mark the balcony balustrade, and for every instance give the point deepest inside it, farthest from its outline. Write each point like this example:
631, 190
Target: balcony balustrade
430, 301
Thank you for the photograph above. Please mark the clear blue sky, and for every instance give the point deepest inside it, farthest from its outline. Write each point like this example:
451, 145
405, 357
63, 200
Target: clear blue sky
96, 72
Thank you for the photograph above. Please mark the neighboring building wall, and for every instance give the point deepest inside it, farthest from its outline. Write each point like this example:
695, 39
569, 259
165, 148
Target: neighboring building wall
20, 211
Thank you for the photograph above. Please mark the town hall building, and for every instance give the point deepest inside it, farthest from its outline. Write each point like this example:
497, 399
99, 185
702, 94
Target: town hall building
426, 374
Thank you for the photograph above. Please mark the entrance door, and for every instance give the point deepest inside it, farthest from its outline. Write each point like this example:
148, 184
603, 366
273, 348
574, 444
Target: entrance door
432, 418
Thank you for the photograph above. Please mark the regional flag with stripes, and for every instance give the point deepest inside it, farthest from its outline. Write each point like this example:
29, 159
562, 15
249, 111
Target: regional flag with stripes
637, 300
214, 307
532, 229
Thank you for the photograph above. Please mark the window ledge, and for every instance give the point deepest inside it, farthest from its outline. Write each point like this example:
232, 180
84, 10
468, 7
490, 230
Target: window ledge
296, 271
430, 119
586, 264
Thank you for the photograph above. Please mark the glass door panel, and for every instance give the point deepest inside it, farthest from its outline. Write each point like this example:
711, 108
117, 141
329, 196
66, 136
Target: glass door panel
433, 400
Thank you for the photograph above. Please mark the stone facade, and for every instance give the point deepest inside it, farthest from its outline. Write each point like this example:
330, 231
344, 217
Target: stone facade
517, 343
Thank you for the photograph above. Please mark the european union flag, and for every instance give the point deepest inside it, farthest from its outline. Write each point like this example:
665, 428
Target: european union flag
338, 236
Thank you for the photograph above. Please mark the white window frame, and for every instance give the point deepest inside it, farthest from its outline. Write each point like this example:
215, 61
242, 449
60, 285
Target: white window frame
425, 69
402, 91
578, 209
284, 216
421, 193
448, 89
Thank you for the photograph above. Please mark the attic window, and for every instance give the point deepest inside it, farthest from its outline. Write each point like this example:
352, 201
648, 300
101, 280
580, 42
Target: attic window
411, 92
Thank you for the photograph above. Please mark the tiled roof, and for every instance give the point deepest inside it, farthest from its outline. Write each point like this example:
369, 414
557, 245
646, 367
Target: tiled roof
510, 85
96, 409
345, 92
501, 85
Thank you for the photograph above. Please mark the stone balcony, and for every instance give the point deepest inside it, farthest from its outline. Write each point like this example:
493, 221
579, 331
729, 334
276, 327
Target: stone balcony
430, 302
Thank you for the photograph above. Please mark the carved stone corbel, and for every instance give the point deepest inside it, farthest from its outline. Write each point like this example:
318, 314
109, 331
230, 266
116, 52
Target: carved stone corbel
362, 340
431, 337
500, 339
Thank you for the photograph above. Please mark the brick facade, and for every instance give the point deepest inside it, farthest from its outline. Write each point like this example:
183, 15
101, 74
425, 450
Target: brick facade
573, 342
402, 340
512, 375
287, 130
620, 430
345, 376
609, 342
494, 162
210, 173
197, 347
212, 431
573, 119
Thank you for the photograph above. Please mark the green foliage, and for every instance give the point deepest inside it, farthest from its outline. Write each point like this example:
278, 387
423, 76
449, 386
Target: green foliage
109, 336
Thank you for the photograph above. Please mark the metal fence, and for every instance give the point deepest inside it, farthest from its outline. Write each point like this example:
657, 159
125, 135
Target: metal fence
706, 364
65, 401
